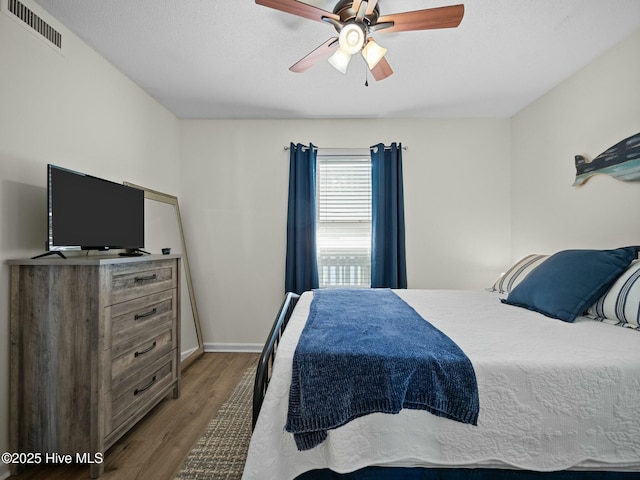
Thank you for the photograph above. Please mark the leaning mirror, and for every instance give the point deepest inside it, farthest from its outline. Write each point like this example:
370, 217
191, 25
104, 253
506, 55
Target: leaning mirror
163, 229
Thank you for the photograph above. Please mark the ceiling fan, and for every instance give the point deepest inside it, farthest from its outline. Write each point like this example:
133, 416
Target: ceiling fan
355, 21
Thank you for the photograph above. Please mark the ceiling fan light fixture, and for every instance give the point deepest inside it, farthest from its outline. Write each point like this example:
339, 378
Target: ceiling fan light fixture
354, 20
373, 53
340, 60
352, 38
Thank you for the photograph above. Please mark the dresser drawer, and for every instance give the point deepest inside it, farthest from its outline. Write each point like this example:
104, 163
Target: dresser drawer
139, 356
136, 280
135, 392
133, 318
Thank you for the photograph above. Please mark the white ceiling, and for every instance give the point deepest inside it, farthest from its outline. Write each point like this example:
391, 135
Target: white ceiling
230, 58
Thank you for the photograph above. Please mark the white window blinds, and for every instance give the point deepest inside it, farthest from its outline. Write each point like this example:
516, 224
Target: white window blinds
343, 231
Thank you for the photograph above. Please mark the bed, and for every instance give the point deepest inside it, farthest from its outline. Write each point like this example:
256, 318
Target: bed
556, 397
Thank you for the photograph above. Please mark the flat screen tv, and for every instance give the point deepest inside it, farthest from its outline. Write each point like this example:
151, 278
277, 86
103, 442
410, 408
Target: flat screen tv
90, 213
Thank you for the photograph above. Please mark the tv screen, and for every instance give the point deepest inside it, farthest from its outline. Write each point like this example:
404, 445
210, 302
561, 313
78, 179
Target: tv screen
89, 213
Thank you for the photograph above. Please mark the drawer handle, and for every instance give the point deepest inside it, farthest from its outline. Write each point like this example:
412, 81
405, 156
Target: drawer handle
146, 387
146, 278
146, 350
138, 316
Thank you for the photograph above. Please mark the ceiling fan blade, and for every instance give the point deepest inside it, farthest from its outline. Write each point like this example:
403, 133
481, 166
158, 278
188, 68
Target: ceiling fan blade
441, 17
371, 6
300, 9
311, 59
382, 70
361, 10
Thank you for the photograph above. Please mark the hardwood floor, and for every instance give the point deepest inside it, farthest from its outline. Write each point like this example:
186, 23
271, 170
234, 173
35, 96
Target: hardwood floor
157, 446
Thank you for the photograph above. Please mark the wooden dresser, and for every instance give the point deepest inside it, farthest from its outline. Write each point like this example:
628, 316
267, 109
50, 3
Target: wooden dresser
94, 347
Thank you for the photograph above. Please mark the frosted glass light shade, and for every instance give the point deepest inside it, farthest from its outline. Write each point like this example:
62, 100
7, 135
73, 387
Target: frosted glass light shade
373, 53
340, 60
351, 38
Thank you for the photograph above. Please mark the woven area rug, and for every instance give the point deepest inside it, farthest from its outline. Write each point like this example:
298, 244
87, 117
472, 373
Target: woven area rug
221, 452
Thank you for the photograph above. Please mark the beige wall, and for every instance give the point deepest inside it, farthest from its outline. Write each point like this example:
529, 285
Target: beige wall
234, 202
588, 113
72, 109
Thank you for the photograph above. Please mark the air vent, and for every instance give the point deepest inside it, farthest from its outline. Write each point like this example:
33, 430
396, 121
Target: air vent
35, 22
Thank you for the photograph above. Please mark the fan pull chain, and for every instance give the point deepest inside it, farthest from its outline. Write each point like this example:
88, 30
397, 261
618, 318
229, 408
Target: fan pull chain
366, 76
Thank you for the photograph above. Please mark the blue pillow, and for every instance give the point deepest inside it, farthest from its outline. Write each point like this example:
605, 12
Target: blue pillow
569, 282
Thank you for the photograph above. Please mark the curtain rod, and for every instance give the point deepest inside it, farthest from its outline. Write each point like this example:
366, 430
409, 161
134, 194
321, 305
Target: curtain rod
349, 148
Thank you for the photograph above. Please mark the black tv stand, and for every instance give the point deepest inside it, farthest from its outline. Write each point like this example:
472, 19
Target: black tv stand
50, 252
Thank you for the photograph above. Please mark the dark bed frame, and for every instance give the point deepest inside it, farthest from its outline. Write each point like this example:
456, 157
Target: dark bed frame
265, 364
263, 376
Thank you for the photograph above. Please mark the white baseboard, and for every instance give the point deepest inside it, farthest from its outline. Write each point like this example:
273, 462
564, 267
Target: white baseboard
233, 347
187, 353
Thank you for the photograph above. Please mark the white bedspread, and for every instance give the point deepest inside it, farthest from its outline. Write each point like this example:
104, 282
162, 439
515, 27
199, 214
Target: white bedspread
553, 396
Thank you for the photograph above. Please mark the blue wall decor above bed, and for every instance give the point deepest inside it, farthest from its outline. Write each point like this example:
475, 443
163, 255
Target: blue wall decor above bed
622, 162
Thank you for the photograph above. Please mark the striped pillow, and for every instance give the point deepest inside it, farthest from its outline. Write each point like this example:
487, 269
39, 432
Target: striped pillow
621, 303
517, 272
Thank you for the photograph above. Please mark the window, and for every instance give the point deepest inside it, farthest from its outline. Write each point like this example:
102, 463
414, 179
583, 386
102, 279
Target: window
343, 202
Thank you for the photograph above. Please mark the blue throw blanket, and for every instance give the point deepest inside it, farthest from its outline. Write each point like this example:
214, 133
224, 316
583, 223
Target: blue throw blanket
365, 351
